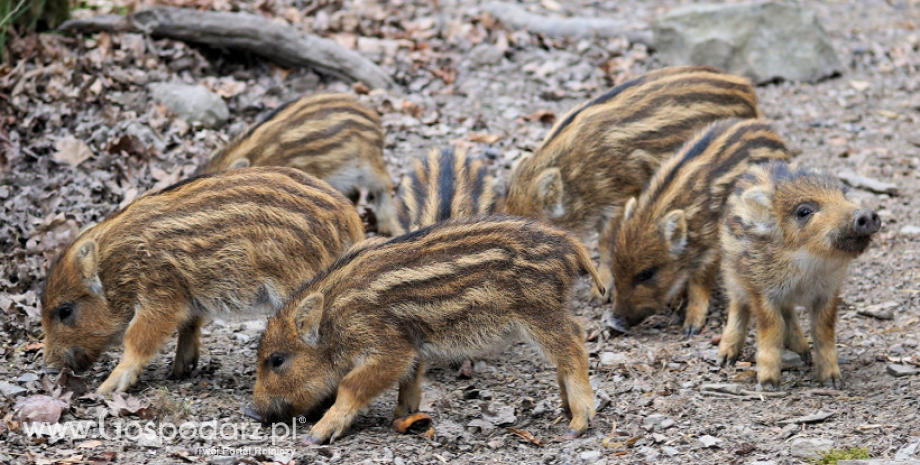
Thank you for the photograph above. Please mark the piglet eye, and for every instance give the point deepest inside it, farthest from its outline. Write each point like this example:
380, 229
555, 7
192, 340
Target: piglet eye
64, 312
645, 275
276, 359
804, 211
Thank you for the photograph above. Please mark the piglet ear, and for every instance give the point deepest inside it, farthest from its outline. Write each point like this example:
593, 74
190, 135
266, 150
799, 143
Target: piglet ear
674, 230
86, 264
549, 191
758, 203
629, 208
307, 317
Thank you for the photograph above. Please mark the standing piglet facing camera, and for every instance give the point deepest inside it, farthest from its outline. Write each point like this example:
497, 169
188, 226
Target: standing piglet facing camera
787, 239
445, 292
238, 241
667, 243
330, 136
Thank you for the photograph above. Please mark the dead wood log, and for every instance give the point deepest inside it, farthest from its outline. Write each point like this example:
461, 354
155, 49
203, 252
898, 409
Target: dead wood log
517, 17
278, 43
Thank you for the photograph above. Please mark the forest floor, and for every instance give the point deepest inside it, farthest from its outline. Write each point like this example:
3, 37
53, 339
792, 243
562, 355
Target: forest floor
80, 135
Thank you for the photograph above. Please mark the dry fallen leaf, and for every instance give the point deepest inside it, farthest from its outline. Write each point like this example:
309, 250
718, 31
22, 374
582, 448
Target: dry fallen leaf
543, 116
72, 151
89, 444
526, 436
123, 406
402, 425
39, 408
484, 137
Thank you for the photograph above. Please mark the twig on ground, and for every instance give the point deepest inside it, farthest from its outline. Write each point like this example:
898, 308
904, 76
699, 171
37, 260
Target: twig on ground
278, 43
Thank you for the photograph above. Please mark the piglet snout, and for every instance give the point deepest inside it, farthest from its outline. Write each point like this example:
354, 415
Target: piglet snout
866, 222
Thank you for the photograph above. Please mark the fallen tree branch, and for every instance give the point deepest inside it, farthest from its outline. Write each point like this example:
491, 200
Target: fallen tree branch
279, 43
576, 27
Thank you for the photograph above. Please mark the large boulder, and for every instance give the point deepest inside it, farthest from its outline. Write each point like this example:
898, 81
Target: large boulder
194, 104
765, 41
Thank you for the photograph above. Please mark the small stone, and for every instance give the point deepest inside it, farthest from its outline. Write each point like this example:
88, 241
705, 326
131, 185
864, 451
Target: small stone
899, 371
9, 390
906, 452
882, 311
792, 359
613, 358
763, 462
666, 423
709, 441
192, 103
788, 431
498, 414
650, 453
486, 54
910, 230
857, 181
654, 419
810, 448
659, 438
670, 451
399, 461
27, 377
242, 338
590, 456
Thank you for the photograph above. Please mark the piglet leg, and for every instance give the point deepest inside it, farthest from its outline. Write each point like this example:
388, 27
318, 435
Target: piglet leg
357, 389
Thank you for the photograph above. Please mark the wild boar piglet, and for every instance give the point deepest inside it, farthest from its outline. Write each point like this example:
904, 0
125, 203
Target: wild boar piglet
238, 241
330, 136
787, 239
667, 243
445, 292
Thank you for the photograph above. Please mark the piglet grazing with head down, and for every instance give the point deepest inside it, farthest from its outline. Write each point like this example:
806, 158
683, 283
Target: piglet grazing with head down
788, 237
449, 291
232, 242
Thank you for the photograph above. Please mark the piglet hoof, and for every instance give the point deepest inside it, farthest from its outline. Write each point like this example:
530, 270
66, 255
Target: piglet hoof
312, 441
691, 331
834, 382
769, 386
570, 434
418, 421
724, 360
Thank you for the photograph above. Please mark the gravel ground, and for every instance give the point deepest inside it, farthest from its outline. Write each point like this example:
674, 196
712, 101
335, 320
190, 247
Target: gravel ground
466, 80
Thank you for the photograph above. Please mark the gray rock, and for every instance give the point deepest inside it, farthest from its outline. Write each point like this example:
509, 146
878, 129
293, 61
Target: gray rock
763, 462
910, 230
810, 448
762, 40
882, 311
613, 358
899, 371
486, 54
709, 441
857, 181
907, 451
9, 390
27, 377
654, 419
666, 423
498, 414
590, 456
670, 451
192, 103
